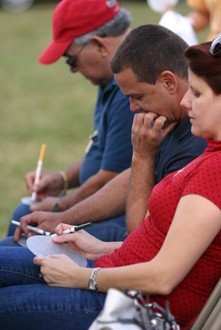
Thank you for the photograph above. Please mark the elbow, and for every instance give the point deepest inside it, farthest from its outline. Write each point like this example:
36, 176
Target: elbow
165, 289
164, 285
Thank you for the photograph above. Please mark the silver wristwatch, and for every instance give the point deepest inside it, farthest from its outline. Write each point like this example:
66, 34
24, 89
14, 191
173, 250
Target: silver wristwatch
92, 284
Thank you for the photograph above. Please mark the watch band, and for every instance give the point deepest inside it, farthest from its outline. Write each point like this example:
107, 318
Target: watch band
92, 284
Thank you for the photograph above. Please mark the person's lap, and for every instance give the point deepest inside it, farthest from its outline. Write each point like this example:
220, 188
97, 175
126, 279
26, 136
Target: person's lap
43, 307
26, 300
39, 306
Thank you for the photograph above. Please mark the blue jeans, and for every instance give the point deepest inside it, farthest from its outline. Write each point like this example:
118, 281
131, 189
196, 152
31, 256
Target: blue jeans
26, 302
22, 210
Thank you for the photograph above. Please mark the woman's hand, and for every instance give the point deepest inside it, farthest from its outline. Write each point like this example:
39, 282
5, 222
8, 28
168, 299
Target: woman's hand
85, 244
59, 270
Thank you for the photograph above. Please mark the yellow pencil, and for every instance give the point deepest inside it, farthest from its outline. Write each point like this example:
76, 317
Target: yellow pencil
38, 170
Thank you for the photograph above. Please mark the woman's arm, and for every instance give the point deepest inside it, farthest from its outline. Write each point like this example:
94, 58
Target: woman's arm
196, 223
86, 244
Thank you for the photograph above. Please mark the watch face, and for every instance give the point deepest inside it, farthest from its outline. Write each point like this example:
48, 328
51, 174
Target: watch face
92, 285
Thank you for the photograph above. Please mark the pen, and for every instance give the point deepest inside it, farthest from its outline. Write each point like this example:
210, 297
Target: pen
38, 170
92, 138
74, 229
36, 230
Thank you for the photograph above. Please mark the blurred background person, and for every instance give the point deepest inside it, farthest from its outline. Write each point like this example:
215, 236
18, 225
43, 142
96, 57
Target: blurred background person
206, 13
173, 20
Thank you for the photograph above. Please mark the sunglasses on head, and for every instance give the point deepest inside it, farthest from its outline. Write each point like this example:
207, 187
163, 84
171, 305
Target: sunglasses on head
215, 48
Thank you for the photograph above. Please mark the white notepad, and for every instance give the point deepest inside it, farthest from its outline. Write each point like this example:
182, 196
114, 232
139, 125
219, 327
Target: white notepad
43, 245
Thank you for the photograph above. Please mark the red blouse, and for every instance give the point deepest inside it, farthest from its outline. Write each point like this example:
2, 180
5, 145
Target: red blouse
202, 177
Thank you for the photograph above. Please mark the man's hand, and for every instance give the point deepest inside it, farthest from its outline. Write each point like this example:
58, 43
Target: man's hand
50, 184
45, 220
148, 132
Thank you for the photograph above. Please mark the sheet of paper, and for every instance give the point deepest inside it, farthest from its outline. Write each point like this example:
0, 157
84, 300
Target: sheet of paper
43, 245
28, 201
22, 241
180, 25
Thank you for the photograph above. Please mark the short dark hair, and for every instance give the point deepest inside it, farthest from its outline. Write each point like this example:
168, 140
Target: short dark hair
205, 65
149, 50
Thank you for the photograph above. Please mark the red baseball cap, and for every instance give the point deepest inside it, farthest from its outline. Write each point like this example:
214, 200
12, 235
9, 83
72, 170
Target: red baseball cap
73, 18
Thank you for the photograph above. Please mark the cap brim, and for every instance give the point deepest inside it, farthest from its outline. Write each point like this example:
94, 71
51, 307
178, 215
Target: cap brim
53, 52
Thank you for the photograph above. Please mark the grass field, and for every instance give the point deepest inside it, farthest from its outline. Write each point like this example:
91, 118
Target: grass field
42, 104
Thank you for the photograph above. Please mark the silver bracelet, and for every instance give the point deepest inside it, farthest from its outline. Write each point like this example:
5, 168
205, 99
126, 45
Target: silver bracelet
92, 284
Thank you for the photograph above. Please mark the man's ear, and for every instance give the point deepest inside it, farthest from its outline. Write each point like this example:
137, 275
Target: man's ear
169, 81
101, 45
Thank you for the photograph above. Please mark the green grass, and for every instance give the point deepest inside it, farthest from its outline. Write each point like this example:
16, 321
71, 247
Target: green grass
41, 104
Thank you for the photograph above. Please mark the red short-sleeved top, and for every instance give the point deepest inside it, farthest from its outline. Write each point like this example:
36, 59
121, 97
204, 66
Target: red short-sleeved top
201, 177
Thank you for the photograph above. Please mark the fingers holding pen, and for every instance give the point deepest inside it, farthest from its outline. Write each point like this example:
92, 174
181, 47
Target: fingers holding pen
21, 228
29, 180
45, 221
17, 234
70, 238
59, 230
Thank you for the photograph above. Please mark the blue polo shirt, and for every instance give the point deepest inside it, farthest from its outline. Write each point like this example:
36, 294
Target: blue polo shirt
110, 148
178, 149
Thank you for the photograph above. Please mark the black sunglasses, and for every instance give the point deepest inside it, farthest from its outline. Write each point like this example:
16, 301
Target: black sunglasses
72, 61
215, 48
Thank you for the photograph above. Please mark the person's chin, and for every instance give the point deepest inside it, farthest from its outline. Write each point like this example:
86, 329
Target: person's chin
93, 81
195, 131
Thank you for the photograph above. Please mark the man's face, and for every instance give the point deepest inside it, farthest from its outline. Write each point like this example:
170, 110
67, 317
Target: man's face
88, 61
147, 97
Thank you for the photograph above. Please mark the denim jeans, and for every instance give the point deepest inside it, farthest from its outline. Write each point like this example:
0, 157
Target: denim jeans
27, 303
19, 212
